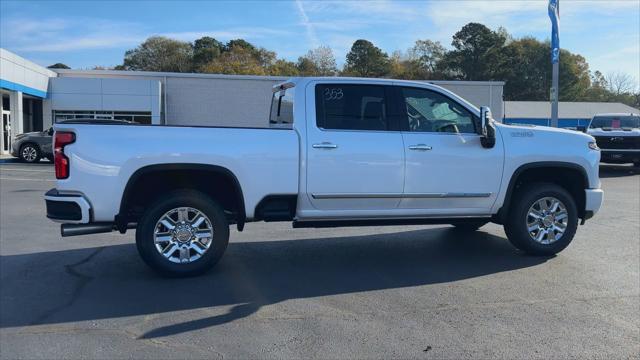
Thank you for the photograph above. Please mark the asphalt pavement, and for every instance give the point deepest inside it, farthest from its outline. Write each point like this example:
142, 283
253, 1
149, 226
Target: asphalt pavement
371, 292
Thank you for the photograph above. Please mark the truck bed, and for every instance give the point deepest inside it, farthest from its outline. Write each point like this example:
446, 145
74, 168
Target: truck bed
104, 157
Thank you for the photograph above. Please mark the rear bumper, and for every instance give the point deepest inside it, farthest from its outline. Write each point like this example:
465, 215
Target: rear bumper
67, 208
593, 202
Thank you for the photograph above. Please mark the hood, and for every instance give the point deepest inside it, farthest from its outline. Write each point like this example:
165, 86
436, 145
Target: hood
33, 133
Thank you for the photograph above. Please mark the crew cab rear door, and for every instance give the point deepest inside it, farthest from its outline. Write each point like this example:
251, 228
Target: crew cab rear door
447, 171
355, 156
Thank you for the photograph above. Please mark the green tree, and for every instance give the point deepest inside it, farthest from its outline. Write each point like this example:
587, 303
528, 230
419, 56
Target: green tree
525, 66
283, 67
236, 61
58, 66
239, 43
205, 50
476, 50
306, 67
424, 59
159, 53
366, 60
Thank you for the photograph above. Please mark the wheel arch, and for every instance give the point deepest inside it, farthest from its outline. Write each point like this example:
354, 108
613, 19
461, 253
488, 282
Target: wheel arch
564, 174
175, 172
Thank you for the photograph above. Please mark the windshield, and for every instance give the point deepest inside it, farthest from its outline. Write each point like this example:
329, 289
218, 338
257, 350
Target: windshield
615, 122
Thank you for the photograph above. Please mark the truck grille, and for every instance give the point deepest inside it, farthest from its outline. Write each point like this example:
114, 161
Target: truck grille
618, 142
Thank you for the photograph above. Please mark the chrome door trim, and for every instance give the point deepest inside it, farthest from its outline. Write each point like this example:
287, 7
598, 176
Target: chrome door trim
401, 196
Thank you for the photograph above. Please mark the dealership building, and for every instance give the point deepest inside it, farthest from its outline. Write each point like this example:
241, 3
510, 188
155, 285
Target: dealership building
34, 97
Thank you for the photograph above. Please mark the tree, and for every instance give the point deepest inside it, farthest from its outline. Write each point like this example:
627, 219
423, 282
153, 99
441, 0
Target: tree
476, 50
205, 50
159, 53
619, 83
283, 67
236, 61
323, 61
239, 43
306, 67
58, 66
366, 60
426, 55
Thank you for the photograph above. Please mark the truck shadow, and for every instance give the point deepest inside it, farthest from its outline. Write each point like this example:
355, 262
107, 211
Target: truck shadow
110, 282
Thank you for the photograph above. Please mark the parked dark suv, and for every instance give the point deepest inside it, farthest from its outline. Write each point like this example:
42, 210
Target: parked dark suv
33, 146
618, 137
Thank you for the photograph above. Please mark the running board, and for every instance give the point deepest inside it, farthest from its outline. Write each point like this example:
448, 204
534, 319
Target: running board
384, 222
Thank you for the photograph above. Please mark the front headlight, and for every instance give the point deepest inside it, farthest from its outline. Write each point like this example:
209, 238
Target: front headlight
593, 146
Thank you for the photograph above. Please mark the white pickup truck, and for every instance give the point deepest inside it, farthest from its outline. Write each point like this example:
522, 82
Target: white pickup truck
338, 152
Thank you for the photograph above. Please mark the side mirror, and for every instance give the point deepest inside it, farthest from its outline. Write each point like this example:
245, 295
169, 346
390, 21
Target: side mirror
486, 129
581, 128
50, 131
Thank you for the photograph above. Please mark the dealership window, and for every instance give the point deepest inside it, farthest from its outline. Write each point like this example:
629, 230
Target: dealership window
141, 117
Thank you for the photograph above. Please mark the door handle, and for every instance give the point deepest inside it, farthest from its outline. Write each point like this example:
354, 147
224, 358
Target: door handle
420, 147
324, 145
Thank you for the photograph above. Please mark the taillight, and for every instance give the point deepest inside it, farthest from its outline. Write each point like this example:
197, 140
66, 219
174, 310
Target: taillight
60, 161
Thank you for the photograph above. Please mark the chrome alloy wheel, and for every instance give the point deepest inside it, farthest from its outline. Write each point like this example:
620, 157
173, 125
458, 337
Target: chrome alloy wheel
29, 153
183, 235
547, 220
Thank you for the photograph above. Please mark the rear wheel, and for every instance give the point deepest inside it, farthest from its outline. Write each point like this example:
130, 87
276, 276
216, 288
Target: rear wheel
29, 153
183, 234
543, 219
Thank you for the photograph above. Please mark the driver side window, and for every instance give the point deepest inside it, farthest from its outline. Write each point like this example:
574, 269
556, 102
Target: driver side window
429, 111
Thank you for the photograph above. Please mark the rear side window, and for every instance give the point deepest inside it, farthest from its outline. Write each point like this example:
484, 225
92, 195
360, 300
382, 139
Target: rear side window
351, 107
281, 114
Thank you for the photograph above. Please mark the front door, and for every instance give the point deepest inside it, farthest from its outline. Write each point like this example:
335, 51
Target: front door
447, 170
355, 159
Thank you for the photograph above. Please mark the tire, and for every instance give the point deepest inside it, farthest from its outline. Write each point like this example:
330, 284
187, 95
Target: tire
529, 198
469, 226
181, 241
29, 153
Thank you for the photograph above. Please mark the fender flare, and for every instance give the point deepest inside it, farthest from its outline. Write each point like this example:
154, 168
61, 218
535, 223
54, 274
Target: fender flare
121, 219
539, 164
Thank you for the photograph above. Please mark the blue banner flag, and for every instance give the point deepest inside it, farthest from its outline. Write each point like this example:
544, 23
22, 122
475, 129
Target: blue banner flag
554, 15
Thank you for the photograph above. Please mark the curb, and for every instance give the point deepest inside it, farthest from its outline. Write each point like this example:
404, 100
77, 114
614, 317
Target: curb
9, 160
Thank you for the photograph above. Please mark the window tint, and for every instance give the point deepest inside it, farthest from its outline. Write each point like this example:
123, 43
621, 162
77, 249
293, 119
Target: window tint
428, 111
350, 107
281, 114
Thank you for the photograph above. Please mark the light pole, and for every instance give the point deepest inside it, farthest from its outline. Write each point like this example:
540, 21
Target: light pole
554, 15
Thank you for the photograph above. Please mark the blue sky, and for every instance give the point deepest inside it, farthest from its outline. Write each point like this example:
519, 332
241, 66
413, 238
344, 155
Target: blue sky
87, 33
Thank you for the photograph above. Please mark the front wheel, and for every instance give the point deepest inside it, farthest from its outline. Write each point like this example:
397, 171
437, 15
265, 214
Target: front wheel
542, 220
183, 234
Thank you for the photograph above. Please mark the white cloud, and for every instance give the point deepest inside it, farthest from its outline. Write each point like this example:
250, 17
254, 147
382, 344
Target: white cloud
311, 31
62, 35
